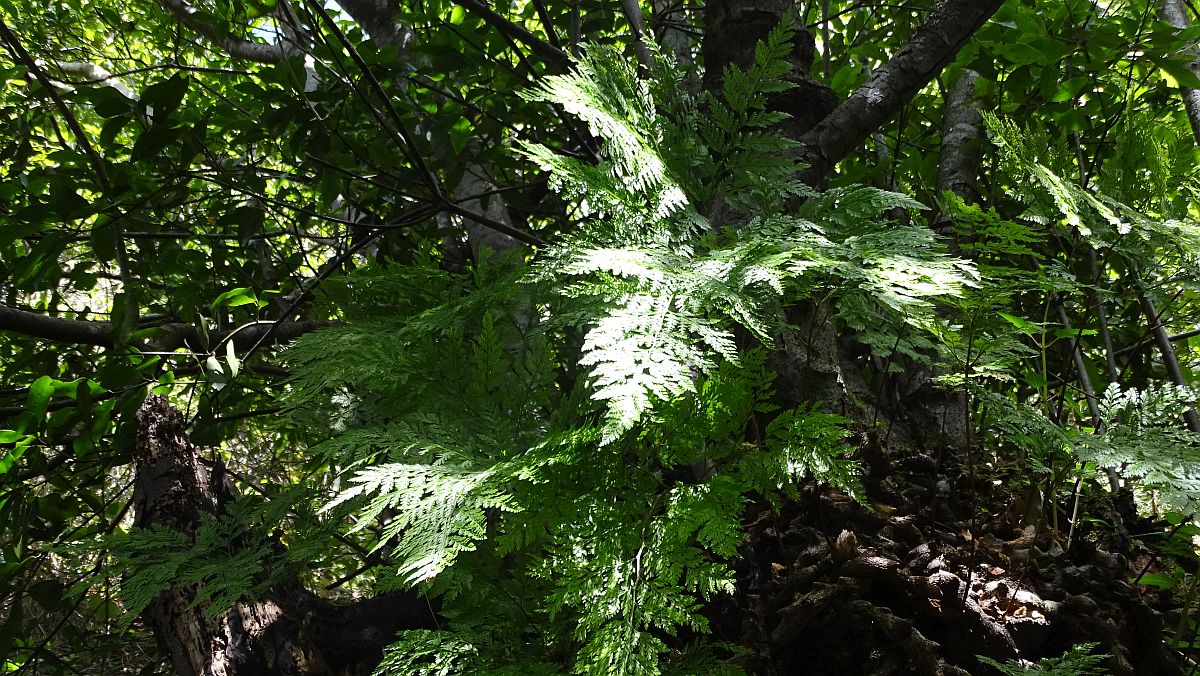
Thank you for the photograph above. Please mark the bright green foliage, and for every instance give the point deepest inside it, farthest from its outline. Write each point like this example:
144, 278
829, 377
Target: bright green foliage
674, 283
440, 511
611, 501
1136, 230
1057, 197
800, 443
1142, 436
1078, 661
1026, 428
428, 653
1137, 433
561, 443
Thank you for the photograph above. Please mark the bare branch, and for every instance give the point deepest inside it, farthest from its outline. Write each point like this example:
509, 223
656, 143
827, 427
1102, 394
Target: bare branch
173, 335
932, 46
962, 131
378, 19
633, 14
55, 329
93, 74
539, 46
238, 48
35, 69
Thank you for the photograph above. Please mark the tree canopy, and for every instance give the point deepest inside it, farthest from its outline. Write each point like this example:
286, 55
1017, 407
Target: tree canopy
553, 336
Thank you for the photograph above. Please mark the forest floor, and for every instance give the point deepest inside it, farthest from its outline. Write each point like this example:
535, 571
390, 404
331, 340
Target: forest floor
913, 585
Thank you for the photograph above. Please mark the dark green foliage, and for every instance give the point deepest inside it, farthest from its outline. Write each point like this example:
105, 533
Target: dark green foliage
1077, 662
560, 445
611, 502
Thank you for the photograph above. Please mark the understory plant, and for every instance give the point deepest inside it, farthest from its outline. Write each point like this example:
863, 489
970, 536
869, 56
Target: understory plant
1078, 661
563, 452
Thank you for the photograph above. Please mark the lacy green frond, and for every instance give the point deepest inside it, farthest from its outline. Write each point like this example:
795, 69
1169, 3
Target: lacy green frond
986, 234
626, 596
665, 324
710, 514
746, 90
421, 652
1024, 426
644, 352
856, 207
988, 354
565, 439
605, 92
440, 511
661, 298
800, 444
1078, 661
1143, 438
1127, 229
152, 561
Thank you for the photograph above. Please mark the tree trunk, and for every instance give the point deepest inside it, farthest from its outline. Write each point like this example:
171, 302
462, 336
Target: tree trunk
1175, 13
291, 632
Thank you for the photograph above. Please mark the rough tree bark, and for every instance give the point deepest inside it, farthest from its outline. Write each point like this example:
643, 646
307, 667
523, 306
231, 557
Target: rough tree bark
1175, 13
291, 631
962, 136
815, 363
945, 30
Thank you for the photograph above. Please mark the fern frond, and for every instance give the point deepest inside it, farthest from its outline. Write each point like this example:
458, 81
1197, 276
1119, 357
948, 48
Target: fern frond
440, 511
1143, 438
799, 444
422, 652
1078, 661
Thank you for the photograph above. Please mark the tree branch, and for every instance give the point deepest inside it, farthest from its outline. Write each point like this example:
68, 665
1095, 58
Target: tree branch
540, 47
93, 74
280, 627
81, 138
238, 48
378, 19
1175, 13
962, 131
933, 45
173, 335
633, 14
56, 329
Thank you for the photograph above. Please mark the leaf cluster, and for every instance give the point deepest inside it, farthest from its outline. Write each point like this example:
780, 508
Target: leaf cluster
603, 421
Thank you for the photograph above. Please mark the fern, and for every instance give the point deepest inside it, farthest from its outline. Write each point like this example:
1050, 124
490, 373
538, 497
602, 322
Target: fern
428, 653
670, 295
1143, 438
421, 652
153, 561
441, 511
799, 444
1078, 661
1127, 229
600, 446
1025, 427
